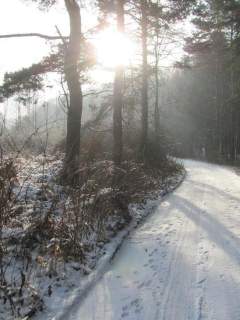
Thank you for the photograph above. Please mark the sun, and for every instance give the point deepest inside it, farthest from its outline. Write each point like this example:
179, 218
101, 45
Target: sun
114, 49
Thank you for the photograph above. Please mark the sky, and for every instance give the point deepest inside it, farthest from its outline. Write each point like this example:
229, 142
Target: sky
23, 16
19, 16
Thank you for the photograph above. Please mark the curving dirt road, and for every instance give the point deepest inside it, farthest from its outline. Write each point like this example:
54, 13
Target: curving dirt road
183, 262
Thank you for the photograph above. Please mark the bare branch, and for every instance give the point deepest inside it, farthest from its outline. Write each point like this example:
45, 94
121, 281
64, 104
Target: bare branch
39, 35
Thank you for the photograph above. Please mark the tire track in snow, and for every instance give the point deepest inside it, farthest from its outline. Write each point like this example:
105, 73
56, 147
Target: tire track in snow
202, 310
174, 261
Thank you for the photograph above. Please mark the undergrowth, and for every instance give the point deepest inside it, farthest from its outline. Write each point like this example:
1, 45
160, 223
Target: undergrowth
46, 227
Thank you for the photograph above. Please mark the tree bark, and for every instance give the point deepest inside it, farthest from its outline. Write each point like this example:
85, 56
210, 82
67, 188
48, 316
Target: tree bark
118, 93
156, 110
144, 103
71, 71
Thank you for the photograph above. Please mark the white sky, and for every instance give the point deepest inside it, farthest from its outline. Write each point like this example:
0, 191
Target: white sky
18, 17
23, 16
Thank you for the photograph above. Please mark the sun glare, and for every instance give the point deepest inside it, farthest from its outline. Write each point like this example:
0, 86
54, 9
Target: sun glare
113, 49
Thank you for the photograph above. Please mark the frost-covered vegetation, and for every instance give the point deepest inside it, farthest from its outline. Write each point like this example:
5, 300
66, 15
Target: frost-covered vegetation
52, 234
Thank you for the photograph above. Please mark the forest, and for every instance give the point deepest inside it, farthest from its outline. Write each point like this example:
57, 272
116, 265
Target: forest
98, 131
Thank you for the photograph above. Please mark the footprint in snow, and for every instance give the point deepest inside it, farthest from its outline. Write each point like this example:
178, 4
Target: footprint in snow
124, 308
148, 283
138, 310
135, 302
201, 281
141, 285
152, 253
154, 293
124, 314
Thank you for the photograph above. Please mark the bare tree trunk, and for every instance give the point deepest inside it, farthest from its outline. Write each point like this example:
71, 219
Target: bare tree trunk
156, 110
144, 134
118, 93
233, 116
158, 140
71, 71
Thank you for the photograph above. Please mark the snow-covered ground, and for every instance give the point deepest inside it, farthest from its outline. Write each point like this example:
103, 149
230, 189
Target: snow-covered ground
42, 276
182, 263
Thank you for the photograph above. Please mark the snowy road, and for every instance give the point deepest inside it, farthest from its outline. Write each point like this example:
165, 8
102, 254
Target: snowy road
183, 262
